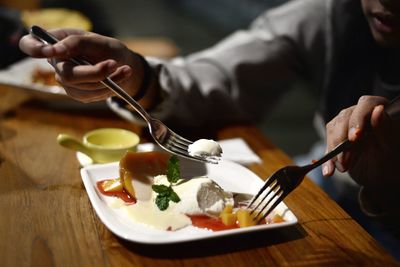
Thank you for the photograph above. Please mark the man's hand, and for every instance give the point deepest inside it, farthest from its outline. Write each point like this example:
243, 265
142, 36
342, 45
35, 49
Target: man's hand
108, 55
374, 158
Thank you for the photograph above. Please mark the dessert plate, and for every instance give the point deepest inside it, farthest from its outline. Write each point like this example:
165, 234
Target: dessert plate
229, 175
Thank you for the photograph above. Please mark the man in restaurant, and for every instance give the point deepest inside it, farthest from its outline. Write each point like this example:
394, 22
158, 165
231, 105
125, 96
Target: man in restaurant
347, 51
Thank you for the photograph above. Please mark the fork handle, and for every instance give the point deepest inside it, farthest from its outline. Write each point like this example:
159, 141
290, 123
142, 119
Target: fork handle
44, 36
338, 149
126, 97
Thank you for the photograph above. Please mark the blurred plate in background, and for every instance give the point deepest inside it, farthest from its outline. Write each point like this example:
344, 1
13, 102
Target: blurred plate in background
21, 76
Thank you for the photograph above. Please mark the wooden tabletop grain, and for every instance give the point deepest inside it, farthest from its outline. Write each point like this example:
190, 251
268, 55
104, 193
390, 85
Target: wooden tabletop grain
46, 218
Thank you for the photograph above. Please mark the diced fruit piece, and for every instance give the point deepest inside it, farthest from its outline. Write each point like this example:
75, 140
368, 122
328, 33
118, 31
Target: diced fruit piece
113, 185
228, 209
244, 218
127, 183
277, 218
229, 219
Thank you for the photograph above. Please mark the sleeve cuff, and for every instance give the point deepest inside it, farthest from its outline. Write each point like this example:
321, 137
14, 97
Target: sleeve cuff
160, 110
369, 208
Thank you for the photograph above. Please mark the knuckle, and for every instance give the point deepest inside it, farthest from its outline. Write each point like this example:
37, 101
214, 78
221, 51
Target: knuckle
330, 124
330, 127
74, 41
369, 100
100, 72
343, 116
364, 99
343, 113
75, 44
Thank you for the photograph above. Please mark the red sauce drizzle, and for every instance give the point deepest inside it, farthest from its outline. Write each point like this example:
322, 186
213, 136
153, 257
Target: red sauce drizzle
120, 194
210, 223
213, 224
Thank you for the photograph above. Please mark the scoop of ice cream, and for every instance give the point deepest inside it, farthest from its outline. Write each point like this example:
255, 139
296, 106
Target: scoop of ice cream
205, 147
199, 196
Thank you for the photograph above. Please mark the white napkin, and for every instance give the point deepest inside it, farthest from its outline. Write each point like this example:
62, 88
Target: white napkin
238, 150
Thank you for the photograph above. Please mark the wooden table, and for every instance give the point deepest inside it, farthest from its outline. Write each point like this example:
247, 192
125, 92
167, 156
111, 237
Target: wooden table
46, 218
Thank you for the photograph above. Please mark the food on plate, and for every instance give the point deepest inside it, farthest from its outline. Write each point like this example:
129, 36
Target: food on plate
227, 216
151, 191
242, 217
198, 196
165, 191
43, 76
136, 171
114, 188
205, 147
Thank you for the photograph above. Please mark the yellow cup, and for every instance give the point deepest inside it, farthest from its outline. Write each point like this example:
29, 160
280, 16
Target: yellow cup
102, 145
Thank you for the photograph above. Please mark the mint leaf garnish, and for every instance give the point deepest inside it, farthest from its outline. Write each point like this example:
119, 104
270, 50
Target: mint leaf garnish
173, 172
162, 202
174, 196
160, 189
166, 193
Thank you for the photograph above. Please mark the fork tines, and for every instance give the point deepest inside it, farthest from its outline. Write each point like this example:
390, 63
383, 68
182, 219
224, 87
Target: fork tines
266, 199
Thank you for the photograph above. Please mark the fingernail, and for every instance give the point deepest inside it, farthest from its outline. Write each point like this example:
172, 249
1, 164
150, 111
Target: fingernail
354, 133
380, 109
325, 170
126, 71
111, 66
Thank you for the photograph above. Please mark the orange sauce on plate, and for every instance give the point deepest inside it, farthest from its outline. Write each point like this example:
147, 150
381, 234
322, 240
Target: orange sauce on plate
210, 223
119, 194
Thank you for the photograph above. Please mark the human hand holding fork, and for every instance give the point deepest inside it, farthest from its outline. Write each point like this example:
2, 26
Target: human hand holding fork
281, 183
162, 135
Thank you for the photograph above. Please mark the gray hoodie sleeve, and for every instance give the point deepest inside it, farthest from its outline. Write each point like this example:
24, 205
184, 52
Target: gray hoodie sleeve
244, 75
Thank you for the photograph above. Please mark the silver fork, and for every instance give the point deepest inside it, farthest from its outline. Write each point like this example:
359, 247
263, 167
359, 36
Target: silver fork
162, 135
285, 180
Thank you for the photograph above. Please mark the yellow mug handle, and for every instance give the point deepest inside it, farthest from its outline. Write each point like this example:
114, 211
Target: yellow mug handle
72, 143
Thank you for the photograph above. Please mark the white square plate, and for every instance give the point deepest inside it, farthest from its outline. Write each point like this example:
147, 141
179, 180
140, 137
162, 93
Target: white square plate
229, 175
